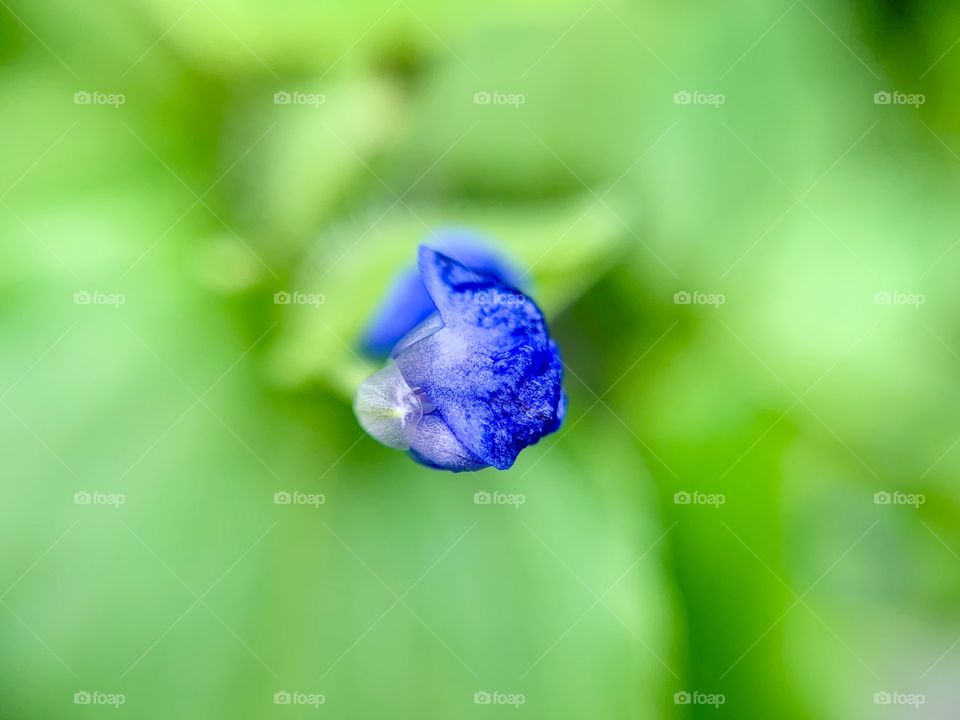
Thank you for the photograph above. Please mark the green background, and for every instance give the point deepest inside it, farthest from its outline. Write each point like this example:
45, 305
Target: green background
783, 189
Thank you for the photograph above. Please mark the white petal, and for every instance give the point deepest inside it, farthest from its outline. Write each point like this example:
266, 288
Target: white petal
387, 408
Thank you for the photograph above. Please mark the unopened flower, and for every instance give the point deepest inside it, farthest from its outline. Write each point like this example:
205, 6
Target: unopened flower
475, 382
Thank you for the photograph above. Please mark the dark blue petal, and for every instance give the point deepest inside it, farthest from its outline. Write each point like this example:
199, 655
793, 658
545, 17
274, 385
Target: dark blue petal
407, 303
491, 371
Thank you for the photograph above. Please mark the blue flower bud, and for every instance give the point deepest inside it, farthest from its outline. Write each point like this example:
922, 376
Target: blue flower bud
475, 382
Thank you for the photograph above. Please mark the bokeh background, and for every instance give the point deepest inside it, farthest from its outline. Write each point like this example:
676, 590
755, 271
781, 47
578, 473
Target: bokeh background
742, 222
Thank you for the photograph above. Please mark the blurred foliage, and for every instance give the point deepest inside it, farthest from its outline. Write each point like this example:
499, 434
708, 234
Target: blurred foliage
797, 200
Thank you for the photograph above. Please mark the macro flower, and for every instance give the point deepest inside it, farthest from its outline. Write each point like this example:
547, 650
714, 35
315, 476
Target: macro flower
475, 382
